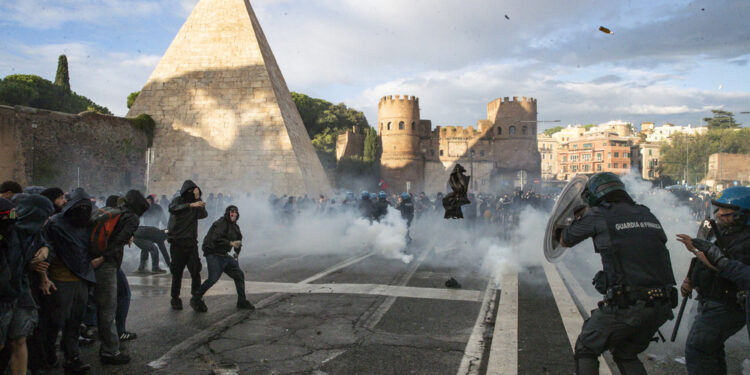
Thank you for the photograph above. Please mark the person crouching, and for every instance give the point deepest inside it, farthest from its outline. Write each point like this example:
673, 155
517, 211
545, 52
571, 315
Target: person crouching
221, 238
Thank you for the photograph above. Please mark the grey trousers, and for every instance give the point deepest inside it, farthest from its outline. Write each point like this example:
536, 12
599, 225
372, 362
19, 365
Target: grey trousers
105, 296
68, 305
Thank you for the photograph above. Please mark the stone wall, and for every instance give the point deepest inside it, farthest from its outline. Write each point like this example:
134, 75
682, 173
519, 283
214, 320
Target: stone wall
40, 147
724, 169
351, 143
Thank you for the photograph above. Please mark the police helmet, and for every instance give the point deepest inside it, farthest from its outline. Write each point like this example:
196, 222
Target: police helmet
405, 196
365, 194
373, 196
382, 194
737, 198
599, 185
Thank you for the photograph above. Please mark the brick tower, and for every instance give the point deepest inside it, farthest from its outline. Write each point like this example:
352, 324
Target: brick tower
402, 161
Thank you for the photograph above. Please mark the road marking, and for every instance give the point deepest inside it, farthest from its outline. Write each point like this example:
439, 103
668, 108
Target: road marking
504, 350
475, 346
378, 314
226, 287
193, 342
336, 267
572, 315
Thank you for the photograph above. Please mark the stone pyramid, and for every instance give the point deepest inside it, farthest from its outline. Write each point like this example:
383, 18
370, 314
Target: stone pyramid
224, 115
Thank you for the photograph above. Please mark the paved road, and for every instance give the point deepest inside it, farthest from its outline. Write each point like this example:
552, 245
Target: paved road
363, 314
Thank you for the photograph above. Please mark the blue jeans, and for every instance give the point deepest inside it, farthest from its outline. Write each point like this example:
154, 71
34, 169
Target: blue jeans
218, 264
123, 304
715, 323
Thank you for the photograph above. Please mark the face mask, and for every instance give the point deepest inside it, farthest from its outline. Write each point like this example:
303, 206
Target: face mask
79, 216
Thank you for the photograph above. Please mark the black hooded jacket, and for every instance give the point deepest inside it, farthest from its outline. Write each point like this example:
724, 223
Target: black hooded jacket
68, 234
222, 232
133, 206
183, 219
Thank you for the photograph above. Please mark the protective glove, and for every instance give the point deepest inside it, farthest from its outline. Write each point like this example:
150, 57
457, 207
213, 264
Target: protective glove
712, 252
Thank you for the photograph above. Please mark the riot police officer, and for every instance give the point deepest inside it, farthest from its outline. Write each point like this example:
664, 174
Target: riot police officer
720, 312
381, 205
637, 280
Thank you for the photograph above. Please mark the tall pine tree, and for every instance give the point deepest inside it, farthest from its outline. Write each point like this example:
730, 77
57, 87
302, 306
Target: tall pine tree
372, 146
62, 78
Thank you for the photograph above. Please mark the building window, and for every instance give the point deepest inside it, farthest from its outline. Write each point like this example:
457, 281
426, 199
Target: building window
625, 165
616, 165
598, 156
565, 158
609, 165
413, 125
565, 169
574, 168
499, 131
609, 155
617, 154
432, 152
441, 152
389, 125
585, 167
575, 147
625, 155
573, 157
598, 167
586, 157
481, 152
524, 129
401, 125
587, 145
512, 130
605, 144
649, 154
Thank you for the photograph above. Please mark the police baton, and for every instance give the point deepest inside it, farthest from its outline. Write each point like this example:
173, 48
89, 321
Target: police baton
679, 318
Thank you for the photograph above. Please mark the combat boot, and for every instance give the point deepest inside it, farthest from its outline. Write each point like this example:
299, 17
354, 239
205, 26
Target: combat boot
198, 305
245, 305
176, 304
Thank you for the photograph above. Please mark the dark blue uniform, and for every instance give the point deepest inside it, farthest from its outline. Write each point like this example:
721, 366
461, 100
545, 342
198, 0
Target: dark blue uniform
637, 281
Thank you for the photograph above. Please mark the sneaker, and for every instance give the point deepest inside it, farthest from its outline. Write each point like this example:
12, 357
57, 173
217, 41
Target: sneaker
88, 332
176, 303
127, 336
245, 305
83, 341
198, 305
118, 359
76, 366
158, 271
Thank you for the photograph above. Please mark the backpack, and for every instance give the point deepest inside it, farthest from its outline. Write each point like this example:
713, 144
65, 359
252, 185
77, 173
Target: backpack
102, 223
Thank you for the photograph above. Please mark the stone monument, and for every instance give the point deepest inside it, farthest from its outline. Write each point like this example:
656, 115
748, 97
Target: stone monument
224, 115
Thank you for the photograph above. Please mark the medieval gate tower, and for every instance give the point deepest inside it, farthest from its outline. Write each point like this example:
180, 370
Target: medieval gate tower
502, 150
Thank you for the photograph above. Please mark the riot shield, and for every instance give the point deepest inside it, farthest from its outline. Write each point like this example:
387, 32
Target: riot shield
562, 216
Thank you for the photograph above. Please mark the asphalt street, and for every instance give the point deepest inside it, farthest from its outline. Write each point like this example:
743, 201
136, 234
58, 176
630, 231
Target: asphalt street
364, 314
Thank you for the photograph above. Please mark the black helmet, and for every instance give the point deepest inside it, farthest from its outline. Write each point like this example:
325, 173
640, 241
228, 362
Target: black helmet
599, 185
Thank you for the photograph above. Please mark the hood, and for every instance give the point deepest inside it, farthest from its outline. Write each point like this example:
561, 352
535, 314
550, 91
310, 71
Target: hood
136, 202
52, 193
33, 210
229, 208
111, 201
33, 189
78, 197
187, 185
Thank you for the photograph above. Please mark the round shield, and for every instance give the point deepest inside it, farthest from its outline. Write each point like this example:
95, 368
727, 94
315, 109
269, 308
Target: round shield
562, 216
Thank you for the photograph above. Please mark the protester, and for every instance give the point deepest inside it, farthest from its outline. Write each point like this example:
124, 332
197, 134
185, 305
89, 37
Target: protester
10, 188
223, 236
185, 211
56, 196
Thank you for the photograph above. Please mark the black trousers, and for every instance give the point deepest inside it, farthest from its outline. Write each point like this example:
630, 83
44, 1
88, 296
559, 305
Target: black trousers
184, 255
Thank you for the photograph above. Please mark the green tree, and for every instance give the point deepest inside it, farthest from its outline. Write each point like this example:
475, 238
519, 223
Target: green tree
691, 153
62, 78
324, 121
554, 130
721, 120
372, 146
588, 126
35, 91
132, 97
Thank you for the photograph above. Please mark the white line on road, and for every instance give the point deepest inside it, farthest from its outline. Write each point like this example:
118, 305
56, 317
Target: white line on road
226, 287
504, 350
475, 346
571, 315
199, 338
378, 314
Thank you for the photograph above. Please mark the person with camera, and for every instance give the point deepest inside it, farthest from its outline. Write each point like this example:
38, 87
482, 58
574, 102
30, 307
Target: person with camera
637, 280
223, 236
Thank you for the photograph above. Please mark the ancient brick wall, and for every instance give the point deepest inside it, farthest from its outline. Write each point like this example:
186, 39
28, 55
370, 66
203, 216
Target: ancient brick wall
40, 147
350, 144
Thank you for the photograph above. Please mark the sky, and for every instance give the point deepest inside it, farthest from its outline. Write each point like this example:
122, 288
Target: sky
667, 61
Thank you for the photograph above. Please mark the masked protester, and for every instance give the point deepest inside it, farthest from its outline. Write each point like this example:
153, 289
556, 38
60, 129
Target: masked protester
107, 265
406, 207
637, 280
185, 210
720, 301
151, 240
72, 273
223, 236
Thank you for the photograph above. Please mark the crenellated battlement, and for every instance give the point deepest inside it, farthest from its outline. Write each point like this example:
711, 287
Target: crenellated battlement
455, 132
398, 100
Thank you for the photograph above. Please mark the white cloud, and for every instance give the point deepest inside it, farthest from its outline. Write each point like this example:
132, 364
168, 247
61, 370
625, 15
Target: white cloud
41, 14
